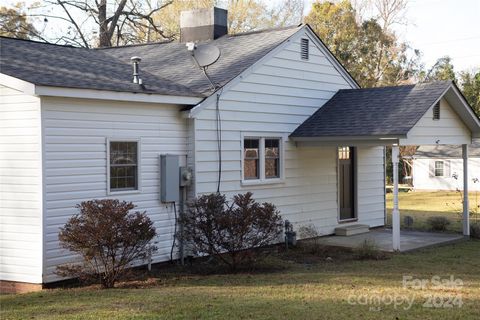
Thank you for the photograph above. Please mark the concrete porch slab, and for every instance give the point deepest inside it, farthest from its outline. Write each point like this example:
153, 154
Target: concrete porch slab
409, 240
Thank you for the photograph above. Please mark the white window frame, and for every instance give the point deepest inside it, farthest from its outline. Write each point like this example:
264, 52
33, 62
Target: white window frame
261, 154
139, 166
435, 168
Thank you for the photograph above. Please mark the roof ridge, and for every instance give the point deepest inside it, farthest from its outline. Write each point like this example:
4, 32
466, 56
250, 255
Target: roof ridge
134, 45
397, 86
227, 35
43, 42
156, 42
246, 33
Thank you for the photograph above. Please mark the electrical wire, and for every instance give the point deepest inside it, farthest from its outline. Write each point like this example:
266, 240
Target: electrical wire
219, 140
174, 232
218, 121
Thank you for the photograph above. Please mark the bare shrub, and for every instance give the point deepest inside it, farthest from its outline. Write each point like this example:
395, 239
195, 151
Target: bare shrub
310, 235
475, 230
438, 223
368, 250
108, 238
228, 231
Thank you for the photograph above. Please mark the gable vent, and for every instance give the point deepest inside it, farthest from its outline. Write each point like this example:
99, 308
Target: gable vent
304, 49
436, 111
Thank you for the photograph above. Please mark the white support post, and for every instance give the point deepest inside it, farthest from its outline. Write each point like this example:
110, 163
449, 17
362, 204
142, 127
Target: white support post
466, 216
395, 212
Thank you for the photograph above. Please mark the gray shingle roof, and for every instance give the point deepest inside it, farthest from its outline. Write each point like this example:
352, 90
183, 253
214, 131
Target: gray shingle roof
372, 112
166, 68
447, 151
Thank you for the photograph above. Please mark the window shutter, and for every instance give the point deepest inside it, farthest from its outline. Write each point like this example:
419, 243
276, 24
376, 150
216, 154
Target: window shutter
446, 170
431, 168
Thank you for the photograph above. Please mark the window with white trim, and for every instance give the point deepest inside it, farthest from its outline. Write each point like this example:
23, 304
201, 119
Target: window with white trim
439, 169
262, 158
123, 165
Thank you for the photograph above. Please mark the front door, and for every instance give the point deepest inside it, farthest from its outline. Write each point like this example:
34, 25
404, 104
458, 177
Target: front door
346, 173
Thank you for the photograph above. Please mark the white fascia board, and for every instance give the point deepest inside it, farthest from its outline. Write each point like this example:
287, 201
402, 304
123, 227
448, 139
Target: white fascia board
351, 138
17, 84
343, 141
113, 95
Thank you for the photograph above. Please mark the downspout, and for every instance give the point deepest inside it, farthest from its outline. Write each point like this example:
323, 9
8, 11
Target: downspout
385, 222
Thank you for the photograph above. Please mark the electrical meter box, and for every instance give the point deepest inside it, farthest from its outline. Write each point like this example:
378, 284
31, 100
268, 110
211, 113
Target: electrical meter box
169, 178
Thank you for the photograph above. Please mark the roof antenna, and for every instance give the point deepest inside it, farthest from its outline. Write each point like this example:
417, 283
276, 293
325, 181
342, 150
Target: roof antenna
136, 69
204, 55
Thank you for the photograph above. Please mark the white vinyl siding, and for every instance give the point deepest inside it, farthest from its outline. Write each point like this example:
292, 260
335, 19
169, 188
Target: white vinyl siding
273, 100
20, 187
76, 162
449, 129
371, 186
423, 179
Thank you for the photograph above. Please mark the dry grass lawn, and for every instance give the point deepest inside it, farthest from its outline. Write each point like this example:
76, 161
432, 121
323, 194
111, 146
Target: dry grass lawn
422, 205
314, 290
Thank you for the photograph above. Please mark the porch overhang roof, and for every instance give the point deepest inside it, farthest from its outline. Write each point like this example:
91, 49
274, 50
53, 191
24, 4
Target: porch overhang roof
381, 115
350, 140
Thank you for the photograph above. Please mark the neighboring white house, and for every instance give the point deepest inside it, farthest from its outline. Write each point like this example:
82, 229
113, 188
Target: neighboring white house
441, 168
275, 114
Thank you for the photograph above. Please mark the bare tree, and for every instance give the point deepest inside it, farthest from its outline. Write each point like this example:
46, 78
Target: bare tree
391, 12
114, 21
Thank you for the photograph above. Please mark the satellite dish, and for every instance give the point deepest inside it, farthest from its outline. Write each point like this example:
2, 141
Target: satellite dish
206, 54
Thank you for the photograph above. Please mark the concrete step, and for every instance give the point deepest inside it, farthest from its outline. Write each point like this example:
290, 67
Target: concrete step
351, 230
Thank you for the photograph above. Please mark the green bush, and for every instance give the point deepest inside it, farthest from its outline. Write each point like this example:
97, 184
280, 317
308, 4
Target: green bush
438, 223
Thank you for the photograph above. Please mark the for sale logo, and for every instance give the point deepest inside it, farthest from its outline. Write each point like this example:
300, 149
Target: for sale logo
450, 299
443, 293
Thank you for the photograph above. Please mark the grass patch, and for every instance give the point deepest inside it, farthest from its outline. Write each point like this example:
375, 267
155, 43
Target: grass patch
295, 291
423, 205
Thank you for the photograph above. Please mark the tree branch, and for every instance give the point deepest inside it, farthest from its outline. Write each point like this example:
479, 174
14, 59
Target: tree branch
74, 23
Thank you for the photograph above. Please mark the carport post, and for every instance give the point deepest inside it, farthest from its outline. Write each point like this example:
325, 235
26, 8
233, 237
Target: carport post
395, 212
466, 217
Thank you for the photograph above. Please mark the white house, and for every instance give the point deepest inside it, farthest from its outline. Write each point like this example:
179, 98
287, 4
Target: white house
441, 168
275, 114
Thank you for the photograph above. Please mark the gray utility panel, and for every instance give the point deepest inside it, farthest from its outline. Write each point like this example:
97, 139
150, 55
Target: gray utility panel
170, 179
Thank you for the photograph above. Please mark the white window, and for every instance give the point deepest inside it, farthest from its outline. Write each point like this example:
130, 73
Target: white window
123, 165
439, 169
262, 159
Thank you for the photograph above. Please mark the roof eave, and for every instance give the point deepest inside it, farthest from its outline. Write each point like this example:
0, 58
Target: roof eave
39, 90
114, 95
381, 139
